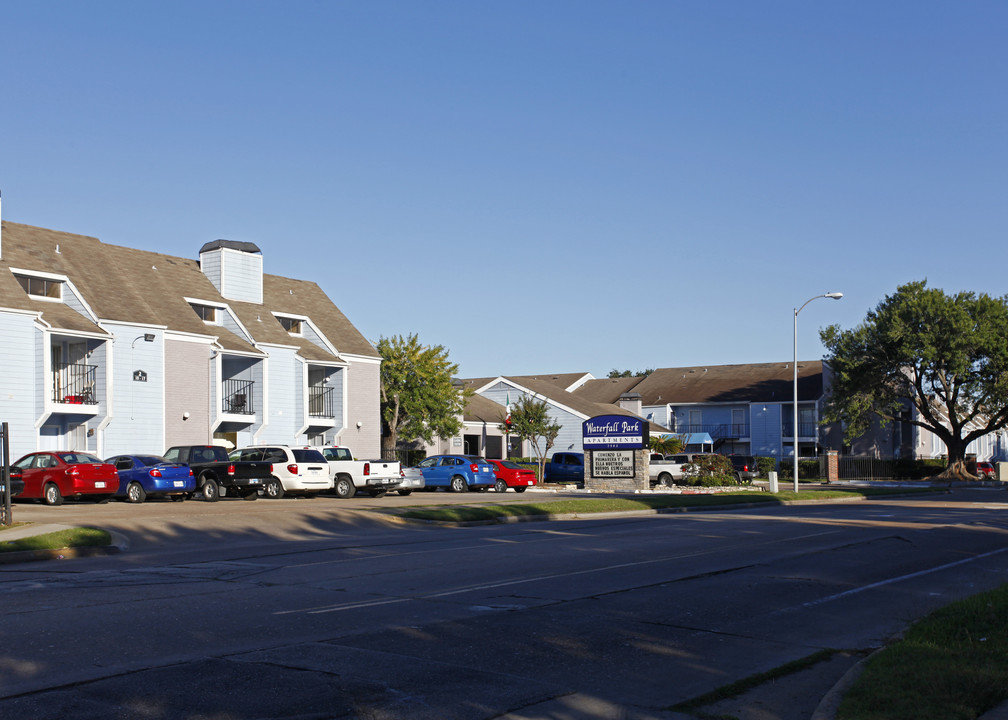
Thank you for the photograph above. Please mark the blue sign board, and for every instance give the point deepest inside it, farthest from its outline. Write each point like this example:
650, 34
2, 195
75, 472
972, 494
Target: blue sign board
614, 432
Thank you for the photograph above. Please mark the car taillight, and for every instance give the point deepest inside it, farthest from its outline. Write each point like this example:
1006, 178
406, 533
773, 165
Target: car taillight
73, 471
231, 470
367, 468
402, 473
190, 472
474, 467
292, 469
154, 473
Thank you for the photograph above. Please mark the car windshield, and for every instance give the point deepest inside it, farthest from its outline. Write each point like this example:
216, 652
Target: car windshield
337, 454
308, 455
78, 458
511, 465
475, 459
151, 459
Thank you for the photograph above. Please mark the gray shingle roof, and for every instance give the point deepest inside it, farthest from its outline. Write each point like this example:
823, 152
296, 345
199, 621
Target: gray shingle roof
762, 382
145, 287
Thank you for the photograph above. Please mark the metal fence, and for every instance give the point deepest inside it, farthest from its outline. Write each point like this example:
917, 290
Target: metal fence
238, 399
849, 467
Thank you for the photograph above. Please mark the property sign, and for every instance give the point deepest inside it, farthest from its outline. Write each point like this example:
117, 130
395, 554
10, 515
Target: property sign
612, 463
614, 432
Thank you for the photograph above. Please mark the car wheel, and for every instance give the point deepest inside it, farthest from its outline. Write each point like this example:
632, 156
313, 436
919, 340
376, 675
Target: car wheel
404, 493
51, 495
211, 493
458, 484
273, 489
344, 487
500, 486
181, 497
738, 479
377, 492
135, 493
520, 489
665, 479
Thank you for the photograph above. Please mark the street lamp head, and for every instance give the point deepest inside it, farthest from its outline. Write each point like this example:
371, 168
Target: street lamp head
834, 295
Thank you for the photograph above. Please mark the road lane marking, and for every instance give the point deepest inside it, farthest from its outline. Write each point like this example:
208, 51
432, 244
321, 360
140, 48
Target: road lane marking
919, 573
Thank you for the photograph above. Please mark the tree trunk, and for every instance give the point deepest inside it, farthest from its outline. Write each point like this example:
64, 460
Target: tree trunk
956, 469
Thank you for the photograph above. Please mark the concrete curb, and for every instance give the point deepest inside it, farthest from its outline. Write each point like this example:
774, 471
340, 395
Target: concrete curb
827, 707
119, 543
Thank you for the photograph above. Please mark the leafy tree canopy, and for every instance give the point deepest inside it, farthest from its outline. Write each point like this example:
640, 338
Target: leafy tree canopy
667, 444
614, 373
530, 421
418, 399
945, 354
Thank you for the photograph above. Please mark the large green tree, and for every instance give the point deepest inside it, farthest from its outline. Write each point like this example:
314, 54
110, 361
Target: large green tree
945, 354
530, 420
418, 398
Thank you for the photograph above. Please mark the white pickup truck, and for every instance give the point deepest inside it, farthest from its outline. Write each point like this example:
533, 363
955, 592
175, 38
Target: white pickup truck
669, 469
665, 470
348, 475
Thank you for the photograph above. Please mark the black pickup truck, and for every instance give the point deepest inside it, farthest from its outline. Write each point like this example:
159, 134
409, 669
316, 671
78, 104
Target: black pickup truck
213, 471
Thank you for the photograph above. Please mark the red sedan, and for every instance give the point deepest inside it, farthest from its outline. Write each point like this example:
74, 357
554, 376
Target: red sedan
52, 476
512, 475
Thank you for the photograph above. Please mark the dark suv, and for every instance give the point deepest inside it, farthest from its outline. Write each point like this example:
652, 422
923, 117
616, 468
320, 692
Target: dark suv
745, 468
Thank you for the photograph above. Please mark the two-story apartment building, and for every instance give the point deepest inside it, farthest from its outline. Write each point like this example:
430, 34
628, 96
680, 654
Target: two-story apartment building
486, 409
112, 349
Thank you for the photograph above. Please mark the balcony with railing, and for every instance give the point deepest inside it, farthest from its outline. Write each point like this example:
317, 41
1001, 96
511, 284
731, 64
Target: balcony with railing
321, 402
717, 431
807, 429
238, 397
74, 384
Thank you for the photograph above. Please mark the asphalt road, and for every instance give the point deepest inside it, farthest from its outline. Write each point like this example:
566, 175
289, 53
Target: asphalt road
318, 609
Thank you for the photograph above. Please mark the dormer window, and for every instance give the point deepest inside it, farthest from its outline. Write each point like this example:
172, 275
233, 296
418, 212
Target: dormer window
207, 313
43, 288
291, 325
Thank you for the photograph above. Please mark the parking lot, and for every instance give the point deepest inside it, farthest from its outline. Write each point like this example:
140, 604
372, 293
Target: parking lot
157, 521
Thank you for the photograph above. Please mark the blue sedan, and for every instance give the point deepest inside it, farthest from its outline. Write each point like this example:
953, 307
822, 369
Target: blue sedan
143, 475
457, 472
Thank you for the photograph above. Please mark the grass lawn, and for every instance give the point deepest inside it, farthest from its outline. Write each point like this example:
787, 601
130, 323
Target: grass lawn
74, 537
470, 513
952, 664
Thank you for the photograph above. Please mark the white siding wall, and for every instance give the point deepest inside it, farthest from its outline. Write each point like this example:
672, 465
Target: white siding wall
210, 264
363, 392
18, 388
187, 390
137, 423
241, 275
284, 386
570, 437
765, 430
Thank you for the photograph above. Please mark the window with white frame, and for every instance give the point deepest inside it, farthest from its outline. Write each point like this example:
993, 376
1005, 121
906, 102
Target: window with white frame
207, 313
41, 287
291, 325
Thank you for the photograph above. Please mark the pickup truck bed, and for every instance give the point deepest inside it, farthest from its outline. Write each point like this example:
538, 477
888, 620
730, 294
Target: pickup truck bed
213, 471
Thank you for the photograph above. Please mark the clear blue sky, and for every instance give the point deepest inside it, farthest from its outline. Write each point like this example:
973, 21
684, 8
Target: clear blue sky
538, 185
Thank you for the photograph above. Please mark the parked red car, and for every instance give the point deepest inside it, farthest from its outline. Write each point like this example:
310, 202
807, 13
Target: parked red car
512, 475
52, 476
985, 471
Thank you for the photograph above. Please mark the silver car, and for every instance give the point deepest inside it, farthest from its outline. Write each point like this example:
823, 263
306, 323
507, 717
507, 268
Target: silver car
412, 479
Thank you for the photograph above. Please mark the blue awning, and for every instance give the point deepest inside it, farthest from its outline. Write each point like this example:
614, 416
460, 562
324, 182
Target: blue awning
699, 439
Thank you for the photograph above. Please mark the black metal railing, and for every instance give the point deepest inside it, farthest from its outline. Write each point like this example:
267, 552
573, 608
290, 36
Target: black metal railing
807, 429
717, 431
74, 383
320, 401
238, 397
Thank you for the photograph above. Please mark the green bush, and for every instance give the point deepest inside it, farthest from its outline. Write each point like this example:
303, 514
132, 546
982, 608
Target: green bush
909, 469
765, 465
709, 471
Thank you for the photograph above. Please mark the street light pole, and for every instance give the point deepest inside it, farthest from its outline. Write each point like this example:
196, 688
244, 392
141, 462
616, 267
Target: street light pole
794, 407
